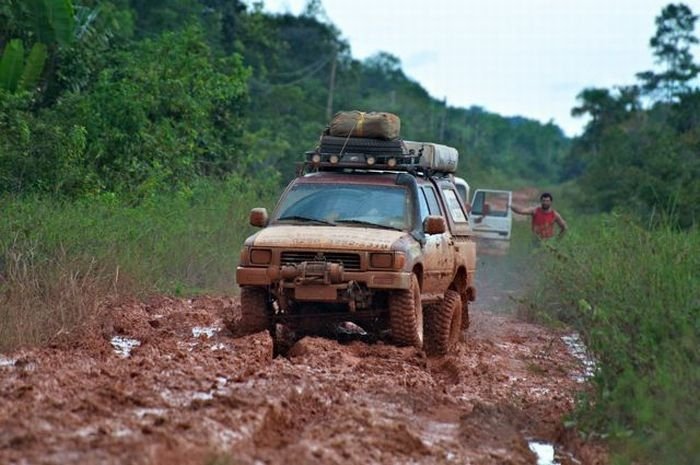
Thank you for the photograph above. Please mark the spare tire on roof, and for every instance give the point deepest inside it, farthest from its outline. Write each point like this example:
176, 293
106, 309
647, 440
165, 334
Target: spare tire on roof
373, 125
340, 145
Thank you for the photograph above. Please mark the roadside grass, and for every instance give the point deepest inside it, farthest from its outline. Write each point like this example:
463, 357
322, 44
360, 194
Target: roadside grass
59, 261
634, 295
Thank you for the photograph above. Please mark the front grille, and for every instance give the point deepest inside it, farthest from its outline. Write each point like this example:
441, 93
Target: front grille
350, 261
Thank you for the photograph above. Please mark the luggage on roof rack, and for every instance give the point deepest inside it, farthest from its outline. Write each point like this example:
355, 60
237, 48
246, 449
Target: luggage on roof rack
436, 157
359, 153
372, 125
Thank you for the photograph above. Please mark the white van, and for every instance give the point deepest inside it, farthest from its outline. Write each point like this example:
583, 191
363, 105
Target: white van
490, 216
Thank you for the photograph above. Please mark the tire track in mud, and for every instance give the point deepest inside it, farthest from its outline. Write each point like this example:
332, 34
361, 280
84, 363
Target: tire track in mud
190, 392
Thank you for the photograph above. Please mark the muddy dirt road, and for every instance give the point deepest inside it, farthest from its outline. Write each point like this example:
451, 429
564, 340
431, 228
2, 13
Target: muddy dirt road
189, 393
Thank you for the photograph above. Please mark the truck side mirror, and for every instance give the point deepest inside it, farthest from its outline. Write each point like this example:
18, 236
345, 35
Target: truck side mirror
258, 217
434, 224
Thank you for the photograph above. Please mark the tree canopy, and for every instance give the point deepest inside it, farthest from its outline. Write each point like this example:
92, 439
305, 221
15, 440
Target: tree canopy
641, 147
131, 97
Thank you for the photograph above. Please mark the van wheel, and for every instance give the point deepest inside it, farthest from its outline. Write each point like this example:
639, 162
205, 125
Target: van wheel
406, 316
254, 314
444, 324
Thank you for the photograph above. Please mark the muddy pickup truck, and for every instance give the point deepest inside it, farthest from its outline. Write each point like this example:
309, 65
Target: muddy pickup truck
370, 232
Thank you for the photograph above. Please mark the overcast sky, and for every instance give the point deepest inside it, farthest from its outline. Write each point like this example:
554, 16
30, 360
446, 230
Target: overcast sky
513, 57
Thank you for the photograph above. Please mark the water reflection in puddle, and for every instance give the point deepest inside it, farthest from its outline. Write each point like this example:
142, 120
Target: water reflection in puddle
207, 331
124, 345
544, 452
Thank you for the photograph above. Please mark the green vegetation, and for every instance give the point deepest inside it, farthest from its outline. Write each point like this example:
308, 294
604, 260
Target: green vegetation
634, 295
641, 149
629, 280
63, 259
133, 99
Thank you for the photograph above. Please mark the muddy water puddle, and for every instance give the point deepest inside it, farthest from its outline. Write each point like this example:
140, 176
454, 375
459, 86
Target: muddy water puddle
544, 452
208, 331
124, 345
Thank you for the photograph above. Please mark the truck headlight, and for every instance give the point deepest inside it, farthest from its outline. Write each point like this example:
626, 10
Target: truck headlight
381, 260
260, 256
394, 260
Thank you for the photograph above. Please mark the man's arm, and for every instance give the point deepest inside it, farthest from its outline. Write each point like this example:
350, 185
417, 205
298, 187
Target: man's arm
562, 224
523, 211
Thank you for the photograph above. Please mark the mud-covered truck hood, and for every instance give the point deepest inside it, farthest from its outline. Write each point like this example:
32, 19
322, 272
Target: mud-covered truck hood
327, 237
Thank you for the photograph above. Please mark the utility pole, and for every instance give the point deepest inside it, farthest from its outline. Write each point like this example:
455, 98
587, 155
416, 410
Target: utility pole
331, 85
443, 120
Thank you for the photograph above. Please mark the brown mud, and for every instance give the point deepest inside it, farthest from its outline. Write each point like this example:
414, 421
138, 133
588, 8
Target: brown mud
190, 393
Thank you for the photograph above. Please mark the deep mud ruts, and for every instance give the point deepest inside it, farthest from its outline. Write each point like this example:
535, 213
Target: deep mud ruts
190, 393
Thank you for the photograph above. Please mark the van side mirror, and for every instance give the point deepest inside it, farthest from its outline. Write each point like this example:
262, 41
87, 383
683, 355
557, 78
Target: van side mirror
434, 224
258, 217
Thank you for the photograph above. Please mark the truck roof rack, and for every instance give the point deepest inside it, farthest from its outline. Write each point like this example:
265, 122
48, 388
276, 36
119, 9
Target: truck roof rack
337, 153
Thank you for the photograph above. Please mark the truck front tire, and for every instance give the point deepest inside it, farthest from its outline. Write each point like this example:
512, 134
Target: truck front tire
406, 316
254, 313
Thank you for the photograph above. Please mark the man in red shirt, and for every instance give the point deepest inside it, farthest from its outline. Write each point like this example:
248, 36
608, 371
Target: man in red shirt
543, 218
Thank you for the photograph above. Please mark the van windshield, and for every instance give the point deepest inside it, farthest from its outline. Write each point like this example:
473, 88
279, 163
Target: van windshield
347, 204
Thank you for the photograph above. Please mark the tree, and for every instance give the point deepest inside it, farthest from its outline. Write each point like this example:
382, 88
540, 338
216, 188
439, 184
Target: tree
671, 45
51, 23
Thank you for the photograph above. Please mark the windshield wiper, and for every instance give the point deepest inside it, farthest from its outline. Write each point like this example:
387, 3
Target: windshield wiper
369, 223
305, 218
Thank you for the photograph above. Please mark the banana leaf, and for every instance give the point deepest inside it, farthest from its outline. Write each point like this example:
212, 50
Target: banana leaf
11, 65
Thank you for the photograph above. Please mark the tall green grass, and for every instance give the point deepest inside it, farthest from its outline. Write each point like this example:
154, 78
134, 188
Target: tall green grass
634, 294
60, 260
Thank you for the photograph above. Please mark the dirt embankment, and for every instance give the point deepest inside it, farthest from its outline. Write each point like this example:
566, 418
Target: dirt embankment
189, 393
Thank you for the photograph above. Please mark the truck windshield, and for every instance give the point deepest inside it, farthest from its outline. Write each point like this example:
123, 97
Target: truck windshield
347, 204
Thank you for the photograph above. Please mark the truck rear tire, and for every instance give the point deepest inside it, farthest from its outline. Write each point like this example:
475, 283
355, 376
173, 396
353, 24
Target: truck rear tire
406, 316
444, 324
465, 312
254, 313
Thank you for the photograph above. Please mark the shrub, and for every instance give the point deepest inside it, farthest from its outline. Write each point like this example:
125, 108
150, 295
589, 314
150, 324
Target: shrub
634, 294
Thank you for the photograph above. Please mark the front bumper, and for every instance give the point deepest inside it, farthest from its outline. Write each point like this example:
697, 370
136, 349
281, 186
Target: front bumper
259, 276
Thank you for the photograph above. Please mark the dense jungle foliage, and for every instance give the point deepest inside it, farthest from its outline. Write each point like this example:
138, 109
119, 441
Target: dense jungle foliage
131, 98
641, 147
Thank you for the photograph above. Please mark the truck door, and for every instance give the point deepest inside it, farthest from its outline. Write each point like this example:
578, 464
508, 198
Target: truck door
490, 216
439, 259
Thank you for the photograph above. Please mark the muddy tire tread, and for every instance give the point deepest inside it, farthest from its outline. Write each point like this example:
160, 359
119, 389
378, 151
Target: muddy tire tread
465, 312
405, 326
443, 324
254, 314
